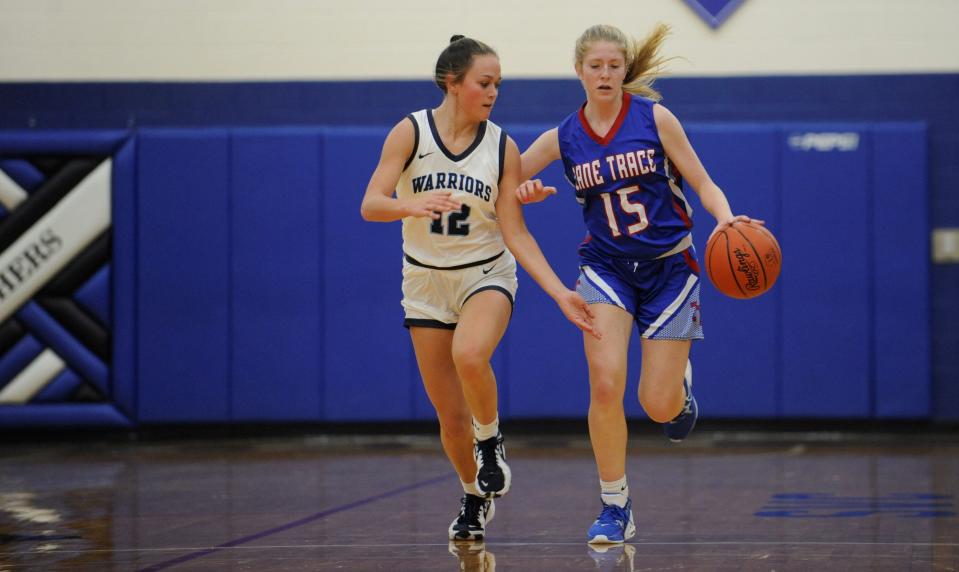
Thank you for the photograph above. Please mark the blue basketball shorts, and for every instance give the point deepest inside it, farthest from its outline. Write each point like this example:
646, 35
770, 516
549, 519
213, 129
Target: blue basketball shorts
662, 294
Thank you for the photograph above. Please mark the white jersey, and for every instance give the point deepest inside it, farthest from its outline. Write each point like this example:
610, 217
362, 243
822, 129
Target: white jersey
461, 238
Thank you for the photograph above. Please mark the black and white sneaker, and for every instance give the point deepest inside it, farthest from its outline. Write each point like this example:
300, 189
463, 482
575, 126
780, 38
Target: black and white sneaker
470, 523
493, 476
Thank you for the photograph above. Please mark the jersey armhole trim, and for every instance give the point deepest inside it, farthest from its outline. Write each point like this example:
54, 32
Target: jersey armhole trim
502, 155
416, 141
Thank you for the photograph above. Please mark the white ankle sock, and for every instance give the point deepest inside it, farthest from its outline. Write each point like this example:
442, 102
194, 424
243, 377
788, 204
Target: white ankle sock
470, 489
484, 432
615, 492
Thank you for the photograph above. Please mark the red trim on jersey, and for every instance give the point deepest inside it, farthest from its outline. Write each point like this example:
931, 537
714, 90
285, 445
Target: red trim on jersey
682, 214
691, 262
586, 240
677, 174
612, 130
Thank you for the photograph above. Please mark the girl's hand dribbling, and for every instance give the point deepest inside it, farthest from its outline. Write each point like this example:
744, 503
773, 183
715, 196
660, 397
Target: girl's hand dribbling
533, 191
578, 312
729, 221
432, 204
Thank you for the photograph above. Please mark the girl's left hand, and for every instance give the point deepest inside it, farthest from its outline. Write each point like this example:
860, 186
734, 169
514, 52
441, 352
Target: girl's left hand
578, 312
533, 191
733, 219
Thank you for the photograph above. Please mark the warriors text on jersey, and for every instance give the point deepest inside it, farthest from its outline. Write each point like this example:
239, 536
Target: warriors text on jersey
472, 234
632, 197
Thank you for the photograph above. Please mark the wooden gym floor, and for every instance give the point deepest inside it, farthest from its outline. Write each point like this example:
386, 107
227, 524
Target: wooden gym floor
724, 500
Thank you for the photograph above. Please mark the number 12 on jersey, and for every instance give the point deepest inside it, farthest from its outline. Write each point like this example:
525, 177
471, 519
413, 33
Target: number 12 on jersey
636, 209
455, 223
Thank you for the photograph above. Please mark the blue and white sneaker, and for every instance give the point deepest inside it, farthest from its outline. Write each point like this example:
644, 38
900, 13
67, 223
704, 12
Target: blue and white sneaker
614, 525
493, 476
682, 425
470, 523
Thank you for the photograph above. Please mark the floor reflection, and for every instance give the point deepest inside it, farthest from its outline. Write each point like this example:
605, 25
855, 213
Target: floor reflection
473, 556
300, 504
613, 557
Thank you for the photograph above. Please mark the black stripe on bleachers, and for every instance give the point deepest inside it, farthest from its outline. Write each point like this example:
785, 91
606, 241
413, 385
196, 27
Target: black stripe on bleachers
80, 269
43, 199
82, 326
10, 333
49, 166
87, 393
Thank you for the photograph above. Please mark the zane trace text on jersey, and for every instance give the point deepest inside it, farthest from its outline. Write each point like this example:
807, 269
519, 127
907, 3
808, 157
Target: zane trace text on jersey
631, 194
621, 166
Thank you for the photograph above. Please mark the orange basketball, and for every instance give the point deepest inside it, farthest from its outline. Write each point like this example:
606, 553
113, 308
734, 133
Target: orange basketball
743, 260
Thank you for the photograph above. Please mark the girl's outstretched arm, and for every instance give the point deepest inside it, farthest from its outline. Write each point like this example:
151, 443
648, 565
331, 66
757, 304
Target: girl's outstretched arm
522, 244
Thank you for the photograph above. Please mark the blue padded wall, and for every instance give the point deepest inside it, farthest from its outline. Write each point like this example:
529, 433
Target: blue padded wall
275, 275
546, 366
246, 286
826, 282
183, 276
122, 274
369, 370
737, 370
900, 254
928, 98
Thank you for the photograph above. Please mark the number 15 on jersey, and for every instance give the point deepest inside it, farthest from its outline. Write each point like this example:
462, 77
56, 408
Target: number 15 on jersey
635, 209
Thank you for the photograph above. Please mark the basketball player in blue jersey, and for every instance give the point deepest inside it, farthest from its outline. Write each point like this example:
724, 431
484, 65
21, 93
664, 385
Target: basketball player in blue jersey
446, 167
626, 157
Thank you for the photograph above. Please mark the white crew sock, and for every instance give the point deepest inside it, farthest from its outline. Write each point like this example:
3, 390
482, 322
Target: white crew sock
484, 432
615, 492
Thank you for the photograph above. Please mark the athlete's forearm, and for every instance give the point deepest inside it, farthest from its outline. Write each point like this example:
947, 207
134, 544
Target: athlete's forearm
714, 201
527, 251
379, 208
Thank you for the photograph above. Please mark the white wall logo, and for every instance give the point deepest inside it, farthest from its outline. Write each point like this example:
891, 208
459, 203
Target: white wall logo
824, 141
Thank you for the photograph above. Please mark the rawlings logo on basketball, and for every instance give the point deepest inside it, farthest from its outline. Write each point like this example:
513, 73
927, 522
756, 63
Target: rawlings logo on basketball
743, 260
747, 265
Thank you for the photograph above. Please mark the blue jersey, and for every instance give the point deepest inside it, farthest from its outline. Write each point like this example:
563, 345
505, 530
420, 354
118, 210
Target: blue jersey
632, 197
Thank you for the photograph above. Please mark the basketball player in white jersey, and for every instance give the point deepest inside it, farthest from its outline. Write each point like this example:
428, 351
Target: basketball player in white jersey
447, 167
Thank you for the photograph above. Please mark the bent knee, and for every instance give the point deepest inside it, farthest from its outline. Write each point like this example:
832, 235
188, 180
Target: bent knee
661, 414
660, 410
